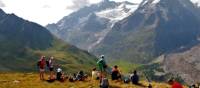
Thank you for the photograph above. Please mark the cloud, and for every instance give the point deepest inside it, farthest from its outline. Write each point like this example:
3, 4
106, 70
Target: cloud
77, 4
46, 6
2, 4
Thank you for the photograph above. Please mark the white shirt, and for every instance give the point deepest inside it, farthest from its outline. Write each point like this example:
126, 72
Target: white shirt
94, 74
59, 70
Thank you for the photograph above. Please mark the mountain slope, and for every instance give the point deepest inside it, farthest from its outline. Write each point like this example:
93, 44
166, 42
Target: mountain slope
23, 42
185, 64
88, 26
155, 28
129, 31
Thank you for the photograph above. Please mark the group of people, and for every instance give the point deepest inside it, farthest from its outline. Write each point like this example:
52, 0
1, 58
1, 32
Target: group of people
100, 73
56, 72
114, 72
43, 63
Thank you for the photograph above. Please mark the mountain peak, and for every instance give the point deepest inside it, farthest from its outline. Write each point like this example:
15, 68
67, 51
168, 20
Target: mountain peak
196, 2
105, 0
1, 11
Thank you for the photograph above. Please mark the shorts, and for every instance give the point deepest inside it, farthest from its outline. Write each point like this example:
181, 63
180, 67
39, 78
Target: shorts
42, 70
51, 69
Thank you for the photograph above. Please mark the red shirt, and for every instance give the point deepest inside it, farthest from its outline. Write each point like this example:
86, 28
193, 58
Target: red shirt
177, 85
42, 64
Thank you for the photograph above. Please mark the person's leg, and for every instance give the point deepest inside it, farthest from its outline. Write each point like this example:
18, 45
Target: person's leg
42, 75
51, 74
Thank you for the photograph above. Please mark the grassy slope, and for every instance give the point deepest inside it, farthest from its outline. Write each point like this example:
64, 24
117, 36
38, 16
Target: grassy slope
70, 57
31, 80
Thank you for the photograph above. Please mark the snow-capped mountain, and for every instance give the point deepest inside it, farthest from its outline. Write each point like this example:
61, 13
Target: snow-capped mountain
196, 2
120, 12
136, 32
88, 26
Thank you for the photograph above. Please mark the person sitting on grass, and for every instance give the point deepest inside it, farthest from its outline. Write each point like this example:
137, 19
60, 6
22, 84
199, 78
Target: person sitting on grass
60, 76
135, 78
80, 76
174, 84
104, 82
115, 75
94, 74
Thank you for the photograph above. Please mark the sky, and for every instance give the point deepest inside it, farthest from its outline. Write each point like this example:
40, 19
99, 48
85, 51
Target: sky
46, 11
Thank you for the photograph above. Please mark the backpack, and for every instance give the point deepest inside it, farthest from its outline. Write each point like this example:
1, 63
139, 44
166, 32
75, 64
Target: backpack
126, 80
104, 83
104, 64
47, 62
38, 63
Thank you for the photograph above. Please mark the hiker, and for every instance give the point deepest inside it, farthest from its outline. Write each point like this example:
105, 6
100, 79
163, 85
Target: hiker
115, 75
174, 84
50, 64
41, 65
194, 86
104, 83
135, 78
94, 74
60, 75
102, 65
80, 76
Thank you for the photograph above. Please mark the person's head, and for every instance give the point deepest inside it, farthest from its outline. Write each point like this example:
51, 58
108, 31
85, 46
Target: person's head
94, 69
171, 81
193, 86
102, 57
74, 74
59, 66
51, 57
150, 86
42, 58
135, 72
81, 72
115, 66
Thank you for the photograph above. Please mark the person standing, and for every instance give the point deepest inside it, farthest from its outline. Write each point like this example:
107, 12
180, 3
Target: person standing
102, 66
41, 65
51, 67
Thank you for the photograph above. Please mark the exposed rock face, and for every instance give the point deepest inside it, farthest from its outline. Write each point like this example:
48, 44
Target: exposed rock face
186, 64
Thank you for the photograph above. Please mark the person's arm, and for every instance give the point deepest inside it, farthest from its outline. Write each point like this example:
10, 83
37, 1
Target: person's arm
120, 72
99, 61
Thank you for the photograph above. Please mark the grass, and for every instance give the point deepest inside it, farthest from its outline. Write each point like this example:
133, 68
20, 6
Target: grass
68, 56
31, 80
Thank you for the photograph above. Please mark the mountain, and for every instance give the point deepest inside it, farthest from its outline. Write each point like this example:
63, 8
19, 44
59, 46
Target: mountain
88, 26
23, 42
155, 28
130, 31
185, 64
